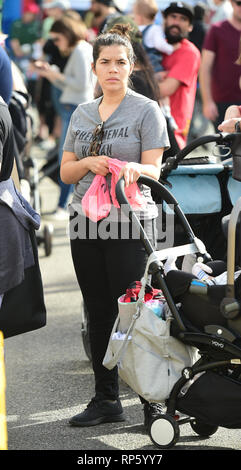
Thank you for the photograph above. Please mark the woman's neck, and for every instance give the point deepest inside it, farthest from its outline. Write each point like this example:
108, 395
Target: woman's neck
110, 103
113, 98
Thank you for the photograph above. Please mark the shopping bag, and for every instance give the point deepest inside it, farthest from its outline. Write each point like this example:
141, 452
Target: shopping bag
149, 359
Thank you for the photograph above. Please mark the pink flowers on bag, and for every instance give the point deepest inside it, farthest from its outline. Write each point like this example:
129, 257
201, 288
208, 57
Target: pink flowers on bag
96, 203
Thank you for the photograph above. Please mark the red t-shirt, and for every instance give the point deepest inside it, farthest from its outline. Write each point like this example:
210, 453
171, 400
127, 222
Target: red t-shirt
183, 65
223, 39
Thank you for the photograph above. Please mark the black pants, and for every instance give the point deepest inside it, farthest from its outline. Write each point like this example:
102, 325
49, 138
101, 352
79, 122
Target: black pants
104, 270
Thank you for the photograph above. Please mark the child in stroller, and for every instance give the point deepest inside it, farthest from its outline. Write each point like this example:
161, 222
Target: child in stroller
184, 285
203, 272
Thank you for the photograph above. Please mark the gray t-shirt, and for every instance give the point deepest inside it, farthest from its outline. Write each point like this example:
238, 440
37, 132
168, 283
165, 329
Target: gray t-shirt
136, 125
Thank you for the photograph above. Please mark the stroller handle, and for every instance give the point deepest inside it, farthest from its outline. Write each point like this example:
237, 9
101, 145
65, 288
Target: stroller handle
164, 195
172, 162
154, 267
155, 186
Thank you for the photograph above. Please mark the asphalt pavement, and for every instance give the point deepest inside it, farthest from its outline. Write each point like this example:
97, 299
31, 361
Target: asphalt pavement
49, 378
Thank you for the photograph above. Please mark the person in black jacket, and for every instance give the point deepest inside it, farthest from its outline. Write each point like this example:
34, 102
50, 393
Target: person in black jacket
198, 33
6, 142
143, 77
6, 79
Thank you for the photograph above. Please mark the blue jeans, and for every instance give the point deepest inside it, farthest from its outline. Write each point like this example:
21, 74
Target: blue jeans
55, 96
65, 189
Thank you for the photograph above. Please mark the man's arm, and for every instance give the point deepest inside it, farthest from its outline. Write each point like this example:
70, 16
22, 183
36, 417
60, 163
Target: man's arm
179, 75
168, 86
210, 110
16, 47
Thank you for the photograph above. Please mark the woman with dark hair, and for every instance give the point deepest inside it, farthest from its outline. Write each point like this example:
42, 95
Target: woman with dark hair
143, 76
119, 125
142, 79
74, 81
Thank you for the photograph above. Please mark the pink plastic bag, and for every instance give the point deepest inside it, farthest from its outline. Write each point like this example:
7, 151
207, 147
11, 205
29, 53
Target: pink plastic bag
133, 194
96, 203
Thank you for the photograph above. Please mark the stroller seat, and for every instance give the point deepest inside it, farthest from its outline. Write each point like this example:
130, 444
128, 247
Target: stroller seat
204, 307
212, 325
203, 304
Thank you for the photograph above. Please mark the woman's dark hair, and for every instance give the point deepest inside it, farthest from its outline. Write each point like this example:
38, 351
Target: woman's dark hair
74, 30
117, 35
143, 63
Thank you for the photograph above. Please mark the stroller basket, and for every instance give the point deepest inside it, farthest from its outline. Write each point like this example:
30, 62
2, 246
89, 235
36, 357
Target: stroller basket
213, 399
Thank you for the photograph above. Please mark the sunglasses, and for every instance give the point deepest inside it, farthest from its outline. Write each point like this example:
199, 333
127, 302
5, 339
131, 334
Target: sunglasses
237, 3
97, 140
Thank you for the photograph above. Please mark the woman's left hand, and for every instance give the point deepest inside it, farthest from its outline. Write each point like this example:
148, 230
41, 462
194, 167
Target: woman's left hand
131, 172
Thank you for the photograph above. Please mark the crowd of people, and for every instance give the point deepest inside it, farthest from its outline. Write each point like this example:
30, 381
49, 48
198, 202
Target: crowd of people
176, 59
115, 86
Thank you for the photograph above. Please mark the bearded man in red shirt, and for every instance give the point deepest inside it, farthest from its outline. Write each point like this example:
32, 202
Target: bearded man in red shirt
180, 79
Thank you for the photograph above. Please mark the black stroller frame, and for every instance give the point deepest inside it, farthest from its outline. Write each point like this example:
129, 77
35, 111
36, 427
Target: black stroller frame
45, 232
219, 347
26, 165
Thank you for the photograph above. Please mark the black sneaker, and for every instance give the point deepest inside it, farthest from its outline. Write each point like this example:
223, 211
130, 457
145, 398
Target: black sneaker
152, 411
97, 412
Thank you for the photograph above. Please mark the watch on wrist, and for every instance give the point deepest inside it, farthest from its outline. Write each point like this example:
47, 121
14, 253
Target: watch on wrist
237, 126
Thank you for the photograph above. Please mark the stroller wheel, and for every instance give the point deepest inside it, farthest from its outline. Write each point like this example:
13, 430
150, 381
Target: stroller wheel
203, 429
164, 432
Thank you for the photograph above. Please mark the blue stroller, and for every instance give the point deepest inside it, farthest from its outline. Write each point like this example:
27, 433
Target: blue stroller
217, 372
205, 190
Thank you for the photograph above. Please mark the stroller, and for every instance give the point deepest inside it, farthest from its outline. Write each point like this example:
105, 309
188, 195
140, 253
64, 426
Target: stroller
26, 165
213, 398
186, 178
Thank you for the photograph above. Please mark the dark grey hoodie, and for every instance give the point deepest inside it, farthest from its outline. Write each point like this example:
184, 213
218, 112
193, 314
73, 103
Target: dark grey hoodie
16, 218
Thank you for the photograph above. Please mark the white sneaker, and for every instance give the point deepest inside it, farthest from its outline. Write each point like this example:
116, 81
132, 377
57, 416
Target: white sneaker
59, 215
47, 144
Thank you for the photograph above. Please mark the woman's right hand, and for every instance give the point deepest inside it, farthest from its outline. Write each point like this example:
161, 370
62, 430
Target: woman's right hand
98, 165
228, 125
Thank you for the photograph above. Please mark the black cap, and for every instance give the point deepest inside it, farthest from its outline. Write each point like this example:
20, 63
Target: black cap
180, 7
107, 3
